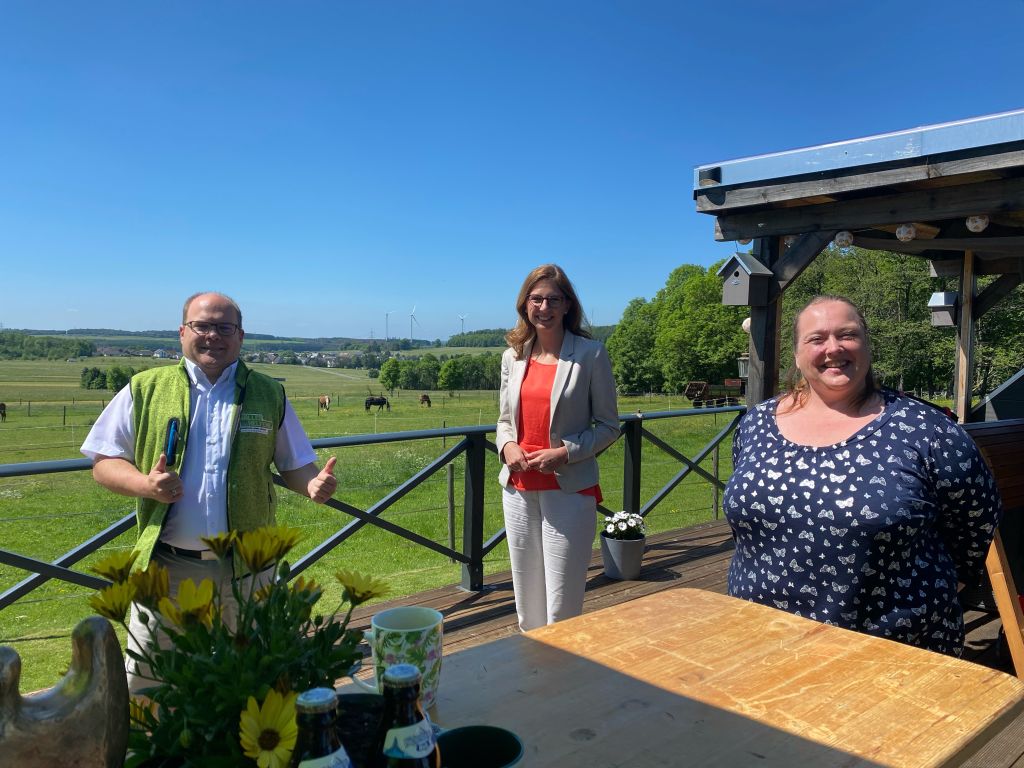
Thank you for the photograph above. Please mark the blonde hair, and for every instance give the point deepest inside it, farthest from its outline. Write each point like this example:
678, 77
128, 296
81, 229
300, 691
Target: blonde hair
572, 320
795, 385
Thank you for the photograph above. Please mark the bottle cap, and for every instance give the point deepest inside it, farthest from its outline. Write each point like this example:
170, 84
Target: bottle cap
402, 674
317, 700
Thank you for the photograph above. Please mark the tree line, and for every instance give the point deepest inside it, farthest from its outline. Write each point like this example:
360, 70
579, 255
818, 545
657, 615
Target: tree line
15, 345
115, 377
684, 332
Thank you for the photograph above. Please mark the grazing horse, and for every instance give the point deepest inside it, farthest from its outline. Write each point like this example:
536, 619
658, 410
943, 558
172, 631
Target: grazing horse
381, 402
325, 403
3, 411
425, 399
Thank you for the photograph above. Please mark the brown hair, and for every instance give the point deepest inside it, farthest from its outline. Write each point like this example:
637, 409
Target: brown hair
795, 383
572, 320
194, 296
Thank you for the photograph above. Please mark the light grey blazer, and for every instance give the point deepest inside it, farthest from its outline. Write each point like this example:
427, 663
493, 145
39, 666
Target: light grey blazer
584, 410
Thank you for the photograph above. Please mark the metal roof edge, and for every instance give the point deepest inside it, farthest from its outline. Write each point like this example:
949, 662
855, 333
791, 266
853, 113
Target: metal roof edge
924, 141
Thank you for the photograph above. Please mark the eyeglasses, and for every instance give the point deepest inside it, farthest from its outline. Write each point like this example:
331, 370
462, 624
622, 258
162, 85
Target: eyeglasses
205, 329
554, 302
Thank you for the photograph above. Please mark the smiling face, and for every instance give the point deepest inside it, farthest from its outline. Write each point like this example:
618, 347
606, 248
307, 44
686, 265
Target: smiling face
546, 317
212, 352
832, 350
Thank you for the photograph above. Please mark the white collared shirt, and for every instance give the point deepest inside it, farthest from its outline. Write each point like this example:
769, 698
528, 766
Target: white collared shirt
202, 510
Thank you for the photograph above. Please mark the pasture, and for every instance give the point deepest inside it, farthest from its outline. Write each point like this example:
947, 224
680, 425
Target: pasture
45, 516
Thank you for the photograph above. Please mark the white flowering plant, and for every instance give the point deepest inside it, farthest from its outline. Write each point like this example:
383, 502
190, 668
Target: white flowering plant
624, 525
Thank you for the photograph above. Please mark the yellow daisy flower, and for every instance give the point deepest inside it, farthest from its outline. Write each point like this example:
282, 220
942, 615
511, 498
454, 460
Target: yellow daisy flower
284, 538
113, 602
221, 544
151, 585
116, 567
257, 550
267, 734
193, 604
360, 587
263, 593
310, 590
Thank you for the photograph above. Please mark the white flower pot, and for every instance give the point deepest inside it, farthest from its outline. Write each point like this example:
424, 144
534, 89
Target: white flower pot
622, 558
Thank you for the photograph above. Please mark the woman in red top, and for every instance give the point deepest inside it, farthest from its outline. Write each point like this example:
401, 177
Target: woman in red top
558, 411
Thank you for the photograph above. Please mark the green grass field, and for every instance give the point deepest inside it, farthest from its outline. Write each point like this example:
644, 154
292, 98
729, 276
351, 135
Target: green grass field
44, 516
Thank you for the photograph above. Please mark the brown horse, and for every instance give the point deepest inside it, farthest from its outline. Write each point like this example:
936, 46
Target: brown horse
3, 411
325, 403
425, 399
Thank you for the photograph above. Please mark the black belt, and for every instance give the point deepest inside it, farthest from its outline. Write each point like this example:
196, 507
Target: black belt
195, 554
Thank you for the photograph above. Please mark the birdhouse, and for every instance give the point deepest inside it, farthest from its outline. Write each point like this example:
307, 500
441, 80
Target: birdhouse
746, 281
943, 308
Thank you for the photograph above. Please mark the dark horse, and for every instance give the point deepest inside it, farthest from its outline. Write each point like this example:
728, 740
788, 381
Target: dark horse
3, 411
381, 402
425, 400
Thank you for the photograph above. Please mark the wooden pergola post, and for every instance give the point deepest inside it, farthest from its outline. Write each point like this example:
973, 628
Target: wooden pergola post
763, 371
965, 340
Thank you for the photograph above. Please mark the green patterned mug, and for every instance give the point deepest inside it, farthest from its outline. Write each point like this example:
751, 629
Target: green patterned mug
407, 635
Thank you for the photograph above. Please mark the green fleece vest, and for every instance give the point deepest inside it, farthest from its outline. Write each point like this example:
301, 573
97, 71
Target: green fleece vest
160, 394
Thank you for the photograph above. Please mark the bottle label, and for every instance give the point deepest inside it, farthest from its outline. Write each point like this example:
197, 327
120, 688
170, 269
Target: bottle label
410, 741
338, 759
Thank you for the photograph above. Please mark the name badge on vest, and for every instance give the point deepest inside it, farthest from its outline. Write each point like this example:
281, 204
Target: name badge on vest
254, 422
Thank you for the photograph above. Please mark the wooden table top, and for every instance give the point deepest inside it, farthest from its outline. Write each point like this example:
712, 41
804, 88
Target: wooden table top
692, 678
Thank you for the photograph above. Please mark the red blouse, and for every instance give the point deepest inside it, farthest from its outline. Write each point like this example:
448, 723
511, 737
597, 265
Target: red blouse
533, 424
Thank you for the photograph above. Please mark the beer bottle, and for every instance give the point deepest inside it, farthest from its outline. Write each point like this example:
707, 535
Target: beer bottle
405, 738
317, 744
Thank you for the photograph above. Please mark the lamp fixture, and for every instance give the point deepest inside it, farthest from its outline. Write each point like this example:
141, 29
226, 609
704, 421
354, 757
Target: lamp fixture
744, 240
843, 238
906, 232
977, 223
788, 241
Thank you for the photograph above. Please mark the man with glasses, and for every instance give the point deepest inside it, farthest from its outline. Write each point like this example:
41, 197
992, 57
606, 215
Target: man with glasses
193, 443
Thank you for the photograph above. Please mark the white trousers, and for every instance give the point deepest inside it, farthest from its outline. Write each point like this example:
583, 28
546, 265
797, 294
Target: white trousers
179, 569
550, 543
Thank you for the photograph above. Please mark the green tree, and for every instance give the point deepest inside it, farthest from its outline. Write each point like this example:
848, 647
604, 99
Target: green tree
631, 349
389, 374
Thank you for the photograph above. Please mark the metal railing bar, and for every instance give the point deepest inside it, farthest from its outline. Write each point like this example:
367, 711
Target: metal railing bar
416, 479
657, 441
364, 518
53, 571
68, 558
660, 495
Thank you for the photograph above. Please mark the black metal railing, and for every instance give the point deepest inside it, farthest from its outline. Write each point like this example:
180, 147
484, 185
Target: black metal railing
472, 443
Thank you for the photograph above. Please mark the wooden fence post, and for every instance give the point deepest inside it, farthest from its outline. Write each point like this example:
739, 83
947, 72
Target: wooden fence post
473, 515
450, 476
632, 432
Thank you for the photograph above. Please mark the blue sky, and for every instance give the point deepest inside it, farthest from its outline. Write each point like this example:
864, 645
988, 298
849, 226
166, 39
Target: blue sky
326, 163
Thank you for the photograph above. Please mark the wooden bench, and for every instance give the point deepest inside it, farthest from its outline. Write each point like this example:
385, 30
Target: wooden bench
1002, 445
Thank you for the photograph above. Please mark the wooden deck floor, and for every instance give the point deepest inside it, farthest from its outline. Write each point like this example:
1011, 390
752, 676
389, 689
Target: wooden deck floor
693, 557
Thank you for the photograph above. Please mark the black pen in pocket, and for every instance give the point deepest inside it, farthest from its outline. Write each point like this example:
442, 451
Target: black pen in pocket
171, 442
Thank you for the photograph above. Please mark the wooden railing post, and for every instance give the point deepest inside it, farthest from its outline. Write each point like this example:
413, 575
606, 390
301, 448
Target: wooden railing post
632, 440
473, 515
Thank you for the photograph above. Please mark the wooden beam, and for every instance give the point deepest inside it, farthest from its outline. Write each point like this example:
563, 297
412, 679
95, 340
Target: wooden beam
923, 205
798, 256
994, 292
1002, 245
964, 341
715, 200
982, 266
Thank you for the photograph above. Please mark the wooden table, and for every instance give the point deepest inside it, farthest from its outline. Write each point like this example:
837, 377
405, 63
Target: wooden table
692, 678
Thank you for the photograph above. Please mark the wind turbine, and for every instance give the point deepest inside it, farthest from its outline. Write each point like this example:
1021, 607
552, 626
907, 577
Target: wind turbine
463, 319
412, 319
386, 316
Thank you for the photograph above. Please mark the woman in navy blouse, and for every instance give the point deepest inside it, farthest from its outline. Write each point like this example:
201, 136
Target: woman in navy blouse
854, 505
